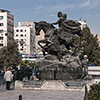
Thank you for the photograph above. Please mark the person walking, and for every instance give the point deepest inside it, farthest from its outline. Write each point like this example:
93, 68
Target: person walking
8, 78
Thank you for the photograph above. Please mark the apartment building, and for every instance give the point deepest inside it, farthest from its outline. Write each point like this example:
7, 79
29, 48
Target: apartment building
25, 38
6, 27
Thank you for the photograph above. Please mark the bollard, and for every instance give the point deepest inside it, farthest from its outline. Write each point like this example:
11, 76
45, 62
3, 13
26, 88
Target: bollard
86, 94
20, 97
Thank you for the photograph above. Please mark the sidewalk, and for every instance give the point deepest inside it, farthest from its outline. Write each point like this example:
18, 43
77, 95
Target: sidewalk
39, 95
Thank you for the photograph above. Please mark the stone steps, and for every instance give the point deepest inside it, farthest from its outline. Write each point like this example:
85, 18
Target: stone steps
74, 83
32, 83
49, 85
31, 86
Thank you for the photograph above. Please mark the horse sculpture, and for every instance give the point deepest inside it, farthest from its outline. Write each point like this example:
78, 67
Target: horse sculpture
50, 40
55, 39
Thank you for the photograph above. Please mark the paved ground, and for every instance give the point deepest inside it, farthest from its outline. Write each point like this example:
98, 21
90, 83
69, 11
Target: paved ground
39, 95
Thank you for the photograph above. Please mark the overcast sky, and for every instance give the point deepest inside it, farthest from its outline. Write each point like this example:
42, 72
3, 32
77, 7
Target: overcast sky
46, 10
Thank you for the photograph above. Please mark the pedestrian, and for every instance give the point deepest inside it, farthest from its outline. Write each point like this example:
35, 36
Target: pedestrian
8, 78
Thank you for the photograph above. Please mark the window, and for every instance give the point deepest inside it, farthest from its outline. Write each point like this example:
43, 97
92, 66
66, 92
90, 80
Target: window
21, 35
21, 30
21, 49
1, 38
1, 31
1, 44
21, 39
21, 45
17, 30
1, 17
1, 24
16, 35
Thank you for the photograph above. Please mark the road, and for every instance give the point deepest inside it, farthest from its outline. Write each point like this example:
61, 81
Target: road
39, 95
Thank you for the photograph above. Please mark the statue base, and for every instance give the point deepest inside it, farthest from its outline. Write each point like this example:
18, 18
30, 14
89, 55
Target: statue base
53, 85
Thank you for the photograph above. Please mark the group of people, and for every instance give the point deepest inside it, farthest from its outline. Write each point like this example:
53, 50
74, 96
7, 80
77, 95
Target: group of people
11, 75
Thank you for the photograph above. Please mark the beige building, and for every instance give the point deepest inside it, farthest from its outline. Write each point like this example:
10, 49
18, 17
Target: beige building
6, 27
39, 37
98, 37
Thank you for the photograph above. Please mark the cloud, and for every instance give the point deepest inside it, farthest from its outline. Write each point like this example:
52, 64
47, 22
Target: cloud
60, 7
16, 10
85, 4
90, 4
50, 9
39, 7
98, 15
94, 4
52, 15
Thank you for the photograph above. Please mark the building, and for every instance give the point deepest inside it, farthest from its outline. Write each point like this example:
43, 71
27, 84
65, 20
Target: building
94, 71
39, 37
98, 39
36, 37
25, 37
6, 27
83, 24
24, 34
27, 23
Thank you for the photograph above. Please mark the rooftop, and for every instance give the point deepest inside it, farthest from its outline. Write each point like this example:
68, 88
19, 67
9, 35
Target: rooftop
2, 10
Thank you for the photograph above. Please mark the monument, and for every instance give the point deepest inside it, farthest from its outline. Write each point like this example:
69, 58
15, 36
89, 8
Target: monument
61, 59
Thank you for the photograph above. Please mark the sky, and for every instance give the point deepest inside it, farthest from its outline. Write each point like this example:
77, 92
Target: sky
46, 10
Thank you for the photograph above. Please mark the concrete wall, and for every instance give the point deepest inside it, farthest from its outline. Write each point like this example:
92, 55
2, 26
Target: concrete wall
94, 70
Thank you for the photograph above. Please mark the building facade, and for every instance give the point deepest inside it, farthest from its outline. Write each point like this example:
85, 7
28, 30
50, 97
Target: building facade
83, 24
6, 27
24, 34
25, 38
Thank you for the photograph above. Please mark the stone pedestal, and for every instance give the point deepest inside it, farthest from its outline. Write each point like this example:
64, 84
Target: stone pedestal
53, 85
18, 85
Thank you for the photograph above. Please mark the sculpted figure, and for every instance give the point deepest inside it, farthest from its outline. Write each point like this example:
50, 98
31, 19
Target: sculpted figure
58, 44
58, 41
67, 30
61, 20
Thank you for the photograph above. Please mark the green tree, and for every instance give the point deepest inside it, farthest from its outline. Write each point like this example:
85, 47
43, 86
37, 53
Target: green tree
94, 92
26, 62
9, 55
91, 46
1, 63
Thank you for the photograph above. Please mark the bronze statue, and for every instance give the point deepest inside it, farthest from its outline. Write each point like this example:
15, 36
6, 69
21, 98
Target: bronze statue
58, 43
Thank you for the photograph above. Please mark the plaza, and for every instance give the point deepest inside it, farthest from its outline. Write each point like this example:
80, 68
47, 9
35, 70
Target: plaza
39, 95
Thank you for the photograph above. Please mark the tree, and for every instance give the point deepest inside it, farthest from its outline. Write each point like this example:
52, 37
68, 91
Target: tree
1, 63
26, 63
9, 55
94, 92
91, 46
